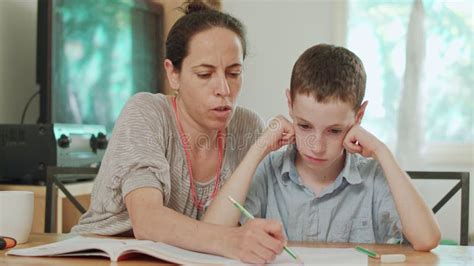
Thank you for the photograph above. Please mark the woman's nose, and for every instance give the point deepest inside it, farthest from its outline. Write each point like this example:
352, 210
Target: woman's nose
222, 86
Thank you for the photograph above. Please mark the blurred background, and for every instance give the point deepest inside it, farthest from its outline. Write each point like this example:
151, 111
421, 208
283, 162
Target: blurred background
417, 55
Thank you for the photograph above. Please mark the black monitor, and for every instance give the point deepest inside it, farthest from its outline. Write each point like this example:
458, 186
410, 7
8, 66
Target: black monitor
92, 55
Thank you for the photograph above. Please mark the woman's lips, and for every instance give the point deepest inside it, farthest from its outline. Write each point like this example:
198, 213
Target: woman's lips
222, 111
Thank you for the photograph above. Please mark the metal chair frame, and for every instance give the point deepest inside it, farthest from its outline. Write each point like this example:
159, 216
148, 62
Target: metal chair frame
462, 185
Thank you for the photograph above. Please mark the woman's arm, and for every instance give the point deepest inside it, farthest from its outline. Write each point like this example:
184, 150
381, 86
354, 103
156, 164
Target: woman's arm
252, 243
279, 132
418, 221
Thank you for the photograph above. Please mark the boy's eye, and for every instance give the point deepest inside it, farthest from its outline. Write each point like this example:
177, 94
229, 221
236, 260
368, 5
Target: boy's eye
303, 126
335, 131
204, 75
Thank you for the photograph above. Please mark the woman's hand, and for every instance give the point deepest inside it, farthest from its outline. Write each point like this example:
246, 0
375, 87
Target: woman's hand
257, 241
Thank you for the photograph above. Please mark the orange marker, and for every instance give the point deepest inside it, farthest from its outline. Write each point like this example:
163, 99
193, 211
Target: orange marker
7, 242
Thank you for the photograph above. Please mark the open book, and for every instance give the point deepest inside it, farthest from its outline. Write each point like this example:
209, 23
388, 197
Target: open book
120, 249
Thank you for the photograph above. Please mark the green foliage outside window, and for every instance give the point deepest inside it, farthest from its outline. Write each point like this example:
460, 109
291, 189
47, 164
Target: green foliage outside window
377, 33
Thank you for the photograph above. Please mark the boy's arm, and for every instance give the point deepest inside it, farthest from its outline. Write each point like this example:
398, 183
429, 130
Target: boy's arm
387, 225
256, 200
221, 211
279, 132
418, 222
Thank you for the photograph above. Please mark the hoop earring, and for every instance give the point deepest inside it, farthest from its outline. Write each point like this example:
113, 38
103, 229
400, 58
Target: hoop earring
176, 92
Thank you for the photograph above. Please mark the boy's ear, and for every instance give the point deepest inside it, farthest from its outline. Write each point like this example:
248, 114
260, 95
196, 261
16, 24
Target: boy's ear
172, 74
361, 112
290, 103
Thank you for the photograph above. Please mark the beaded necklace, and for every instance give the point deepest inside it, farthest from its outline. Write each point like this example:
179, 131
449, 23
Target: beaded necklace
200, 204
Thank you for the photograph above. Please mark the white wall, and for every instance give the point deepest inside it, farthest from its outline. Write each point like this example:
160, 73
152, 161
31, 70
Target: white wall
17, 60
278, 32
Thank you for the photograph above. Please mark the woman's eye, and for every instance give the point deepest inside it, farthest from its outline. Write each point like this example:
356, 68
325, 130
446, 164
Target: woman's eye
234, 74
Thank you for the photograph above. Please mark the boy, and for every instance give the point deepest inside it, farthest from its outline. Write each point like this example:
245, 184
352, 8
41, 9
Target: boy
325, 187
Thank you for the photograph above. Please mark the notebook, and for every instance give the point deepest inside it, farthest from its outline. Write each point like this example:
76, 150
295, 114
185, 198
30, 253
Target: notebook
121, 249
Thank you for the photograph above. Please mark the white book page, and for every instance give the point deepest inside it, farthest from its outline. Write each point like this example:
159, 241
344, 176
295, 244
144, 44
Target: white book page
324, 256
314, 256
177, 255
104, 247
113, 248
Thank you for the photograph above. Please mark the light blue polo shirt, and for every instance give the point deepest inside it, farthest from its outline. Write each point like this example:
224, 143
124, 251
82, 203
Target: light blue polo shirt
358, 207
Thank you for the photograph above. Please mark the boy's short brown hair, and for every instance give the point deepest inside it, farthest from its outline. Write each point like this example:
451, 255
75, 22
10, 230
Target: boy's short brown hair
329, 72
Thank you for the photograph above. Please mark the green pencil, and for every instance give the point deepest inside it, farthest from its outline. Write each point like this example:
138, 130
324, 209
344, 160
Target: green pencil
250, 216
367, 252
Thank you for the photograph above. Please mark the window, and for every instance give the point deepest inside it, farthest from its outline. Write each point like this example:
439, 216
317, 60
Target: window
377, 32
102, 53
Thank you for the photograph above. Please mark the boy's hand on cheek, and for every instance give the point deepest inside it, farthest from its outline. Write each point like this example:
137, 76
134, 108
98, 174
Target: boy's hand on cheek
359, 140
279, 132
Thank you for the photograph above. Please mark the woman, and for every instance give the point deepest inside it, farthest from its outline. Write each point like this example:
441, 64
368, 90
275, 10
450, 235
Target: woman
169, 156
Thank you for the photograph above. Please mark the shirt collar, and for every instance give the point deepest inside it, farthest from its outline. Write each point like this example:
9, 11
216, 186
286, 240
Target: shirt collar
288, 170
350, 172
